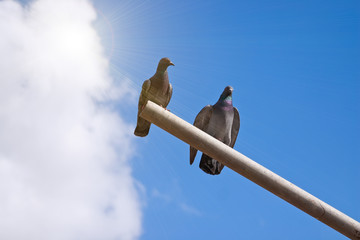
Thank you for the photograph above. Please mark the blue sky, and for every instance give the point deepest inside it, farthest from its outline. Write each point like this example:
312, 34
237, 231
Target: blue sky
294, 66
74, 167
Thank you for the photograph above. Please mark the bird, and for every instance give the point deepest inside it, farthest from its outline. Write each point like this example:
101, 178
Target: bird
221, 121
156, 89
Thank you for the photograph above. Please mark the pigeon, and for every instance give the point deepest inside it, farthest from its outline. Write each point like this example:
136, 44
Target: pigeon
221, 121
156, 89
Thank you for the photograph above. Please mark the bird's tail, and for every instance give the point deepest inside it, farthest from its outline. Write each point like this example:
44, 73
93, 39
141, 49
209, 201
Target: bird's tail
210, 166
142, 127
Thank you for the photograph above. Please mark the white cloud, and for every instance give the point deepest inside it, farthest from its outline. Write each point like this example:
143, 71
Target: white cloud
64, 171
190, 210
169, 199
162, 196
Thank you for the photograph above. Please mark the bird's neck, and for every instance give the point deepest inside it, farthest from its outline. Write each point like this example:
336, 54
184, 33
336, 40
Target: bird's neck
163, 74
161, 69
225, 102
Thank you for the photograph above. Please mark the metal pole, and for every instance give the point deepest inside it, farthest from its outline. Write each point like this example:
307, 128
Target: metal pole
251, 170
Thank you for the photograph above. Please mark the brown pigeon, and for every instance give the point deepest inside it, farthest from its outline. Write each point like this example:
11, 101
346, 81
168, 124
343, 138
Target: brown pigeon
156, 89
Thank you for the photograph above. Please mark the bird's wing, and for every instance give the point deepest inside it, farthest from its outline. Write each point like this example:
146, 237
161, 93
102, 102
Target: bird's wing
201, 122
146, 85
144, 93
169, 94
235, 127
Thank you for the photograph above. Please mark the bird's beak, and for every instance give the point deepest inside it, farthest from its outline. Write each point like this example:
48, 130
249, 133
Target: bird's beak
172, 64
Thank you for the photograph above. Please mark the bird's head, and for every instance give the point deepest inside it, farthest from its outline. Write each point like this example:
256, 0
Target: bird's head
164, 63
227, 92
226, 96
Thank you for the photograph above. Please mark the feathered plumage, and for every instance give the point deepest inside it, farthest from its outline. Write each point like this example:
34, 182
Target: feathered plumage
221, 121
156, 89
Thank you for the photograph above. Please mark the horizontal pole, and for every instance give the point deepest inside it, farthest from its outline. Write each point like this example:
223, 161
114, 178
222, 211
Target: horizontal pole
251, 170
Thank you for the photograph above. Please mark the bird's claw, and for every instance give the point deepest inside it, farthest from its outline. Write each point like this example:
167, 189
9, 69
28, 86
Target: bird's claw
164, 108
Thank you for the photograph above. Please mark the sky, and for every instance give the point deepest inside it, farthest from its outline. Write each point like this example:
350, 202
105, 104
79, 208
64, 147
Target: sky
70, 75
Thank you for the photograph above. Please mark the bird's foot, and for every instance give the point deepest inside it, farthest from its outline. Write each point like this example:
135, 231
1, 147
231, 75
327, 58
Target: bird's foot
165, 108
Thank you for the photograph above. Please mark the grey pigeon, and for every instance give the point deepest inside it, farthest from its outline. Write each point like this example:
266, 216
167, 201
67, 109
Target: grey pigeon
156, 89
221, 121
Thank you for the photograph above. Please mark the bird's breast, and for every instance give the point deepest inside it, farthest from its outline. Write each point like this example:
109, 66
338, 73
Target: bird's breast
158, 94
220, 125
